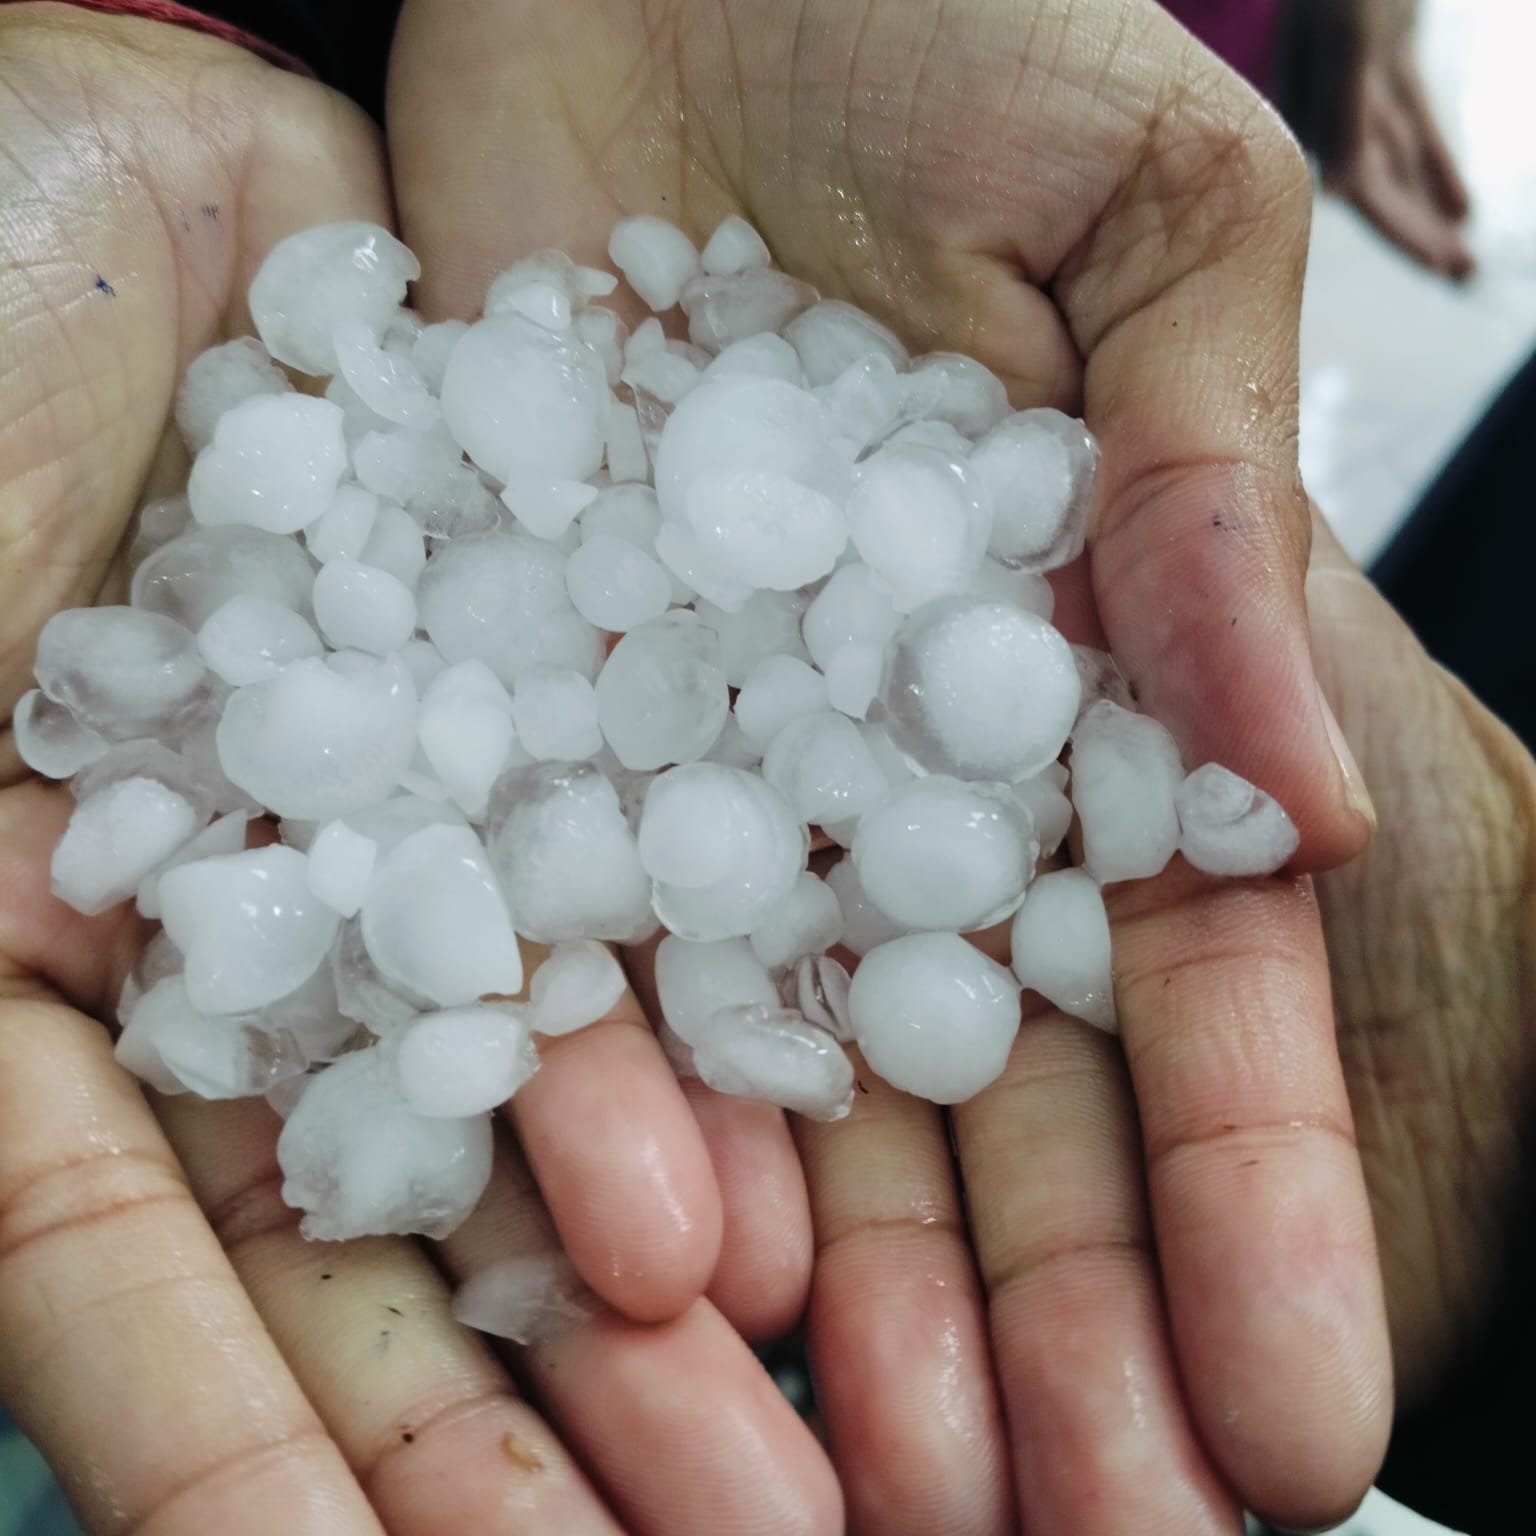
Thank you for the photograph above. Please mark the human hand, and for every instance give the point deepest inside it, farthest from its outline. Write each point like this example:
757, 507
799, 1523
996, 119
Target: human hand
1076, 195
183, 1358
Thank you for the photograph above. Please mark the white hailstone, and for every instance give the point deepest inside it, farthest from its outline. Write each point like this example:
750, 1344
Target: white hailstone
358, 418
157, 523
1049, 810
1024, 589
435, 921
605, 333
395, 546
1125, 775
662, 695
816, 987
894, 764
656, 258
616, 585
1101, 678
934, 1016
689, 823
311, 1014
225, 835
114, 839
546, 507
734, 247
768, 850
343, 528
853, 608
695, 981
248, 925
772, 1054
423, 661
547, 269
628, 512
389, 822
432, 348
363, 995
341, 863
317, 278
920, 519
853, 678
314, 743
767, 624
566, 856
274, 463
823, 766
805, 922
971, 399
943, 853
500, 598
465, 1061
625, 454
1039, 467
49, 739
360, 607
662, 374
554, 711
692, 572
868, 400
732, 749
147, 760
516, 396
200, 570
1228, 827
251, 639
218, 380
980, 690
465, 729
529, 1299
865, 926
121, 672
725, 309
135, 1048
577, 985
764, 356
1061, 946
543, 303
831, 336
360, 1162
388, 383
400, 334
425, 473
764, 528
777, 690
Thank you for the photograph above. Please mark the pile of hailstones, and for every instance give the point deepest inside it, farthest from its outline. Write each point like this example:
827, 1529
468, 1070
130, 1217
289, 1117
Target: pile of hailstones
542, 629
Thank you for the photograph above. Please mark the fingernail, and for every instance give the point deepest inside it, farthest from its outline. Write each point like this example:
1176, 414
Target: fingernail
1355, 792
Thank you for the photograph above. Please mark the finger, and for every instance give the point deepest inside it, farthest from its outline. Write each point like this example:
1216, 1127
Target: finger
622, 1165
1439, 164
1099, 1433
1185, 299
677, 1422
418, 1406
120, 1316
1259, 1207
1403, 212
896, 1329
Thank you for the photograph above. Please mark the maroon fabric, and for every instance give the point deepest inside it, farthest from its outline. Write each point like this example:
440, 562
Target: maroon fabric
184, 16
1243, 32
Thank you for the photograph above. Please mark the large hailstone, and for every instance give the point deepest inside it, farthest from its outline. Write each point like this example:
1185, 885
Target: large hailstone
1061, 946
661, 697
1125, 776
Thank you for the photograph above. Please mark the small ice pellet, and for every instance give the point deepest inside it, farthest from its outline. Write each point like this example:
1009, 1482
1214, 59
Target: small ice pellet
1049, 810
722, 310
49, 739
465, 730
465, 1061
971, 399
550, 269
661, 374
340, 866
114, 839
1228, 827
980, 690
662, 696
158, 522
1061, 946
945, 854
1125, 775
734, 247
543, 303
201, 569
435, 920
777, 690
274, 463
360, 1162
251, 639
545, 506
823, 766
218, 380
319, 277
695, 981
933, 1016
832, 335
555, 713
578, 984
656, 258
248, 924
388, 383
808, 921
865, 926
767, 624
773, 1055
343, 528
853, 678
853, 608
529, 1299
1039, 467
616, 585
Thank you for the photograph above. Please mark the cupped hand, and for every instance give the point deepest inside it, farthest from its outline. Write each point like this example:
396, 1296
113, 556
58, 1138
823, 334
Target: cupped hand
1178, 1309
184, 1359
